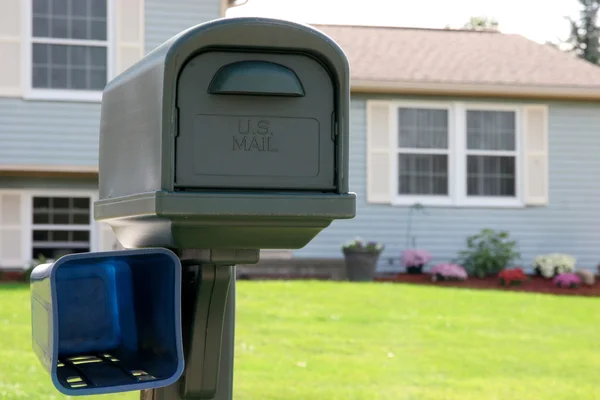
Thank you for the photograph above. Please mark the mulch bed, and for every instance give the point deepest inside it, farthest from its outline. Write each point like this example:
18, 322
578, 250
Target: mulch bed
536, 284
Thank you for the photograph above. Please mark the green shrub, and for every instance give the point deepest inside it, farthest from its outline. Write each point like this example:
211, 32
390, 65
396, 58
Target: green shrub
34, 263
488, 253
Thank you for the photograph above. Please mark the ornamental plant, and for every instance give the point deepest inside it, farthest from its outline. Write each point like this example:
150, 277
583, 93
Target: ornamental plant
488, 253
567, 280
512, 276
360, 245
549, 265
448, 272
415, 257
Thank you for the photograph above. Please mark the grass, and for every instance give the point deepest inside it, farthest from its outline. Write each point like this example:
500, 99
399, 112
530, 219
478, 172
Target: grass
305, 340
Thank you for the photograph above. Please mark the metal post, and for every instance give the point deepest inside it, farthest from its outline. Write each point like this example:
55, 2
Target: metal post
197, 285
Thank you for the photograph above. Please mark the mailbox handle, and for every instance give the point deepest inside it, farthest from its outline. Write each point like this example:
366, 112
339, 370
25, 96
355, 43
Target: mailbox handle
257, 78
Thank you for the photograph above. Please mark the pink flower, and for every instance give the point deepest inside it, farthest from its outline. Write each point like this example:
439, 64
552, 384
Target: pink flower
415, 257
567, 280
452, 271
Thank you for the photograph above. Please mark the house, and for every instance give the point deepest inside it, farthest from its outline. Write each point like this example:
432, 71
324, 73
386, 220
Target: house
483, 129
55, 58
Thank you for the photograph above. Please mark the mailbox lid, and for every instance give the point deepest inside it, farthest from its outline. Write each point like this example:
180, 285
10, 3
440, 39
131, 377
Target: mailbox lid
255, 120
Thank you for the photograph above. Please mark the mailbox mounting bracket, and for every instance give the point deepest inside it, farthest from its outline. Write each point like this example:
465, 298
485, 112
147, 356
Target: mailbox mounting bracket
207, 309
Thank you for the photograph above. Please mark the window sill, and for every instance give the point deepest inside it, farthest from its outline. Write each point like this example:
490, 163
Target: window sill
64, 95
463, 203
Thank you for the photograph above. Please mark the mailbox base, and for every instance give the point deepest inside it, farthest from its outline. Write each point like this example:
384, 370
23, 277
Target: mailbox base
221, 220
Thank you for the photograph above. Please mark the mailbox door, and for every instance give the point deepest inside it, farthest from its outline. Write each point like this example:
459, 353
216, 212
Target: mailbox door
255, 121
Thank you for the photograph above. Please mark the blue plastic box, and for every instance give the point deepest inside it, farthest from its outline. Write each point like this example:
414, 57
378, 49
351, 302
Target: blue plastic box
109, 322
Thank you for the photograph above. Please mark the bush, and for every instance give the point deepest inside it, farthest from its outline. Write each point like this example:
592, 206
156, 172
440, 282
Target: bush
448, 272
567, 280
488, 253
512, 276
550, 265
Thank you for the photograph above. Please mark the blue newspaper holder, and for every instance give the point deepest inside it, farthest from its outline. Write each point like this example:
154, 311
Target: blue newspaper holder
109, 322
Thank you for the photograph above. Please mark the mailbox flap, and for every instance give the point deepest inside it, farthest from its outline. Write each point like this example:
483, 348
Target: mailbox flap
255, 121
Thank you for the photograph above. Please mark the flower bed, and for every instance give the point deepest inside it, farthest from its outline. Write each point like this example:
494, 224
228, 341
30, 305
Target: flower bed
536, 284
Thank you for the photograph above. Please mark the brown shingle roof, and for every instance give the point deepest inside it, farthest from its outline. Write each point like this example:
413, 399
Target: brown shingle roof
387, 54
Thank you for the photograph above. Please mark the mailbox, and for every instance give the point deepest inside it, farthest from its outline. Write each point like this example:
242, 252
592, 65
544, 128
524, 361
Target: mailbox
109, 322
231, 135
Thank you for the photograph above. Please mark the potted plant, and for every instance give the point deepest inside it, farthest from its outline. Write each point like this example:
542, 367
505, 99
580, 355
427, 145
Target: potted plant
488, 253
414, 260
551, 265
361, 259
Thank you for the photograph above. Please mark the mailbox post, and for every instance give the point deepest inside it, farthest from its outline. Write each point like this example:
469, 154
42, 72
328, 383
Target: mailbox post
229, 138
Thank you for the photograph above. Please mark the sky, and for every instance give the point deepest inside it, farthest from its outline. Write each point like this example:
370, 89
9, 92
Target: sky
539, 20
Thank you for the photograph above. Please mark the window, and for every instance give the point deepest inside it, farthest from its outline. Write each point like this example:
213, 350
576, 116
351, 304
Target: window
491, 153
61, 225
452, 154
423, 151
69, 46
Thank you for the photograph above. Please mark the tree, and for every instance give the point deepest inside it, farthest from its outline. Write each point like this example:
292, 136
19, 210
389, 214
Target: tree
585, 33
482, 24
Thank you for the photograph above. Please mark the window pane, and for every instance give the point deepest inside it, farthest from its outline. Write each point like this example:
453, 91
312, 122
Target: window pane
98, 30
423, 174
40, 53
98, 79
39, 77
82, 203
59, 27
58, 78
81, 219
79, 8
40, 27
59, 7
41, 202
98, 8
41, 6
79, 29
97, 56
78, 56
422, 128
491, 176
58, 56
60, 218
81, 236
491, 130
41, 218
41, 236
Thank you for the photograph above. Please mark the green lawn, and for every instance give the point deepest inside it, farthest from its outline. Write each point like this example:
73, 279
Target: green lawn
317, 340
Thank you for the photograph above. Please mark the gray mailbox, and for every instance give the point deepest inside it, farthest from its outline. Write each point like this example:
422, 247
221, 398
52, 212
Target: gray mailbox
231, 135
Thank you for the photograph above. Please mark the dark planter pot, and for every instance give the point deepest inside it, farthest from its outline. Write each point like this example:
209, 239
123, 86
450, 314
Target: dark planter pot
416, 270
361, 264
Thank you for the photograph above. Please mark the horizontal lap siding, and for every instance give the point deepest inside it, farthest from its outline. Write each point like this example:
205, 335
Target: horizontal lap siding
167, 18
570, 224
48, 133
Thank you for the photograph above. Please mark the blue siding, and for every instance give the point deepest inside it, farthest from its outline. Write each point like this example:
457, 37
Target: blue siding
48, 133
570, 224
167, 18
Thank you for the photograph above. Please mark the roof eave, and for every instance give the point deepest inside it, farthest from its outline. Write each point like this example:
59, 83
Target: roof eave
475, 90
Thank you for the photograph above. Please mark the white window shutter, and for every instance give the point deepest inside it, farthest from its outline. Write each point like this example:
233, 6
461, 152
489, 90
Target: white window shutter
535, 123
13, 253
379, 152
129, 33
108, 240
12, 33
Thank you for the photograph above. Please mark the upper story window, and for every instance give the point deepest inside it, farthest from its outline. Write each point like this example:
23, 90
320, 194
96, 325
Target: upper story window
69, 47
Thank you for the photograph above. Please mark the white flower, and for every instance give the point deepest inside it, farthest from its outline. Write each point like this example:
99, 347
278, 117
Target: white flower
549, 264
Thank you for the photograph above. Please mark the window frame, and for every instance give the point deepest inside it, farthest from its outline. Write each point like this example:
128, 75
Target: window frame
457, 156
28, 225
402, 200
31, 93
